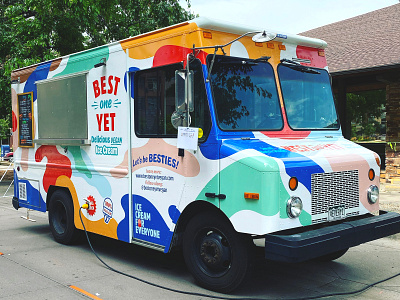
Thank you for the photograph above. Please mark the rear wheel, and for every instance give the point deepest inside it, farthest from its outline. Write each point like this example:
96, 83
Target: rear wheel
215, 254
61, 218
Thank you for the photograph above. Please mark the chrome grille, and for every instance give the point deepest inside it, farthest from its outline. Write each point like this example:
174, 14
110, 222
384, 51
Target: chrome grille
332, 189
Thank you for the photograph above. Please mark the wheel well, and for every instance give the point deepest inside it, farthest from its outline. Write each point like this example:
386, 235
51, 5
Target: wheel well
188, 213
51, 191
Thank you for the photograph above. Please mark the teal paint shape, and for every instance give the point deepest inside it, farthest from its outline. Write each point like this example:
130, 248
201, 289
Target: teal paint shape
258, 174
85, 170
255, 175
80, 162
305, 218
211, 187
84, 61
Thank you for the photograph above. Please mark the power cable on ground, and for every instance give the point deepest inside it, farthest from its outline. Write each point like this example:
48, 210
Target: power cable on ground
221, 297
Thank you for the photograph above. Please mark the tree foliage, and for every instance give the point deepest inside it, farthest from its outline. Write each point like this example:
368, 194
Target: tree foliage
33, 31
365, 109
4, 128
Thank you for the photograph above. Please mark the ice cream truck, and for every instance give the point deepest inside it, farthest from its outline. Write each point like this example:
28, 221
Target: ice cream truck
210, 137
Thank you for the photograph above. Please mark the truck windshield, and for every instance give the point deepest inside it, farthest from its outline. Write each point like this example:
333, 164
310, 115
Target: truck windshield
245, 94
308, 98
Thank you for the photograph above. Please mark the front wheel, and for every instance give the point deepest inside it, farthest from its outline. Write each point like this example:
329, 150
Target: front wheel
215, 254
61, 218
332, 256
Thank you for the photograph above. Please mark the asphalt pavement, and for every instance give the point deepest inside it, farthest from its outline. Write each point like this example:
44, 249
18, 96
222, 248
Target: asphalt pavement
34, 266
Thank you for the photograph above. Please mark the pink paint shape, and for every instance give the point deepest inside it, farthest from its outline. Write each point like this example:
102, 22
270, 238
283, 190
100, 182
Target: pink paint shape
343, 163
24, 159
170, 54
312, 55
158, 153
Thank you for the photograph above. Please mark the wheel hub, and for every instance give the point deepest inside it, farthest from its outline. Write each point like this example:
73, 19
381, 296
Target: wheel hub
215, 252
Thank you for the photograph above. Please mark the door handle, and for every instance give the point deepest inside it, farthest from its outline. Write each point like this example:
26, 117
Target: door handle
213, 195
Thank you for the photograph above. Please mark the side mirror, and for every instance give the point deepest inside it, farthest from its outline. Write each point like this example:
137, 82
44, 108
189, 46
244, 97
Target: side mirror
184, 90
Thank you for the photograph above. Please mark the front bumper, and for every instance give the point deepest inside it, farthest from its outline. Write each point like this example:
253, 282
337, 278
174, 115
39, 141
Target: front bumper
315, 243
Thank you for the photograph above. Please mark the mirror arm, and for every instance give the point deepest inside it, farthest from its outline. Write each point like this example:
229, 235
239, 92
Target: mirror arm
211, 65
222, 49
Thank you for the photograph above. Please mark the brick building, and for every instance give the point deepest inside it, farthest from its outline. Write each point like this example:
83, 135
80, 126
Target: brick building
363, 56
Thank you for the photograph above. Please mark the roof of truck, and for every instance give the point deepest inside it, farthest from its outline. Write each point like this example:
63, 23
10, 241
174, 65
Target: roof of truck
213, 25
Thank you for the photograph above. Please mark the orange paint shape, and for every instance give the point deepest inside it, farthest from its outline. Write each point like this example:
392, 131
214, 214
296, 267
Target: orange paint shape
146, 45
57, 165
84, 292
23, 73
99, 226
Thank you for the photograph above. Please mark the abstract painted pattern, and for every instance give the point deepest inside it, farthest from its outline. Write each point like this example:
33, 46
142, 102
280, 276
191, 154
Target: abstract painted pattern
162, 184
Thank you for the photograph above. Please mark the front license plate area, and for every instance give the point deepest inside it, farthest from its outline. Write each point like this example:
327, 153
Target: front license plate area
336, 213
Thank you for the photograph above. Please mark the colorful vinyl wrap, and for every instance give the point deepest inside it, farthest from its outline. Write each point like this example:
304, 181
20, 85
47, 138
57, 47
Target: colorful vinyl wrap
138, 186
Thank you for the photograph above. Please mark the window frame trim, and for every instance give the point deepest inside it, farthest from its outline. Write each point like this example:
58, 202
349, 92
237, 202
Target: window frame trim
245, 130
136, 111
168, 136
284, 103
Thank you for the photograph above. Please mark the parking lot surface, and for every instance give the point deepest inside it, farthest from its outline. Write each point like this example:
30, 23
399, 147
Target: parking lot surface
34, 266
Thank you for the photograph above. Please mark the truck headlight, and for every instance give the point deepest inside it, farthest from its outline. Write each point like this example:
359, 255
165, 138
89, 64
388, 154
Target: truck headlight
294, 207
373, 194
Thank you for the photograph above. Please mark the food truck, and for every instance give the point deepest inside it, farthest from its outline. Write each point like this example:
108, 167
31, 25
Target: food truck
205, 136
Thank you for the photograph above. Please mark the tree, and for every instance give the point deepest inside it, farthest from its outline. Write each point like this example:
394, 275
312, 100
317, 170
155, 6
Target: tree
4, 129
364, 109
33, 31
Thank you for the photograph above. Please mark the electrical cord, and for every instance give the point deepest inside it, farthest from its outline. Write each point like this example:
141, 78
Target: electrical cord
220, 297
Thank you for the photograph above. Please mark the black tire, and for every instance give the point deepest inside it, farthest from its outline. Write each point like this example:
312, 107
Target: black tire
215, 254
332, 256
61, 218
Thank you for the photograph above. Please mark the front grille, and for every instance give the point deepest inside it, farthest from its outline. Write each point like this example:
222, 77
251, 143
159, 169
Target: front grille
333, 189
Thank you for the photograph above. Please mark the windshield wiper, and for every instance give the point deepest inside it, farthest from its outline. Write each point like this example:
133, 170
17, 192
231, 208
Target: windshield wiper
262, 59
298, 67
248, 61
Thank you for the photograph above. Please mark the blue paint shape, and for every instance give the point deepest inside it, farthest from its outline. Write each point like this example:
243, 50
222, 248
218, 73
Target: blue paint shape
210, 148
131, 70
149, 225
33, 198
41, 72
174, 213
123, 226
296, 164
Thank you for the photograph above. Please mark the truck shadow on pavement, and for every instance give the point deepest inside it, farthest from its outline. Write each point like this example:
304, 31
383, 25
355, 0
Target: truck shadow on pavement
267, 280
271, 279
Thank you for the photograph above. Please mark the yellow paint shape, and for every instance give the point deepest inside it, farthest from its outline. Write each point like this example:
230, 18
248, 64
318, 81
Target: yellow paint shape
145, 46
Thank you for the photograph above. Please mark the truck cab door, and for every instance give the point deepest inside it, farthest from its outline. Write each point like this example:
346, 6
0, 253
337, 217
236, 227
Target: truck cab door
161, 178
